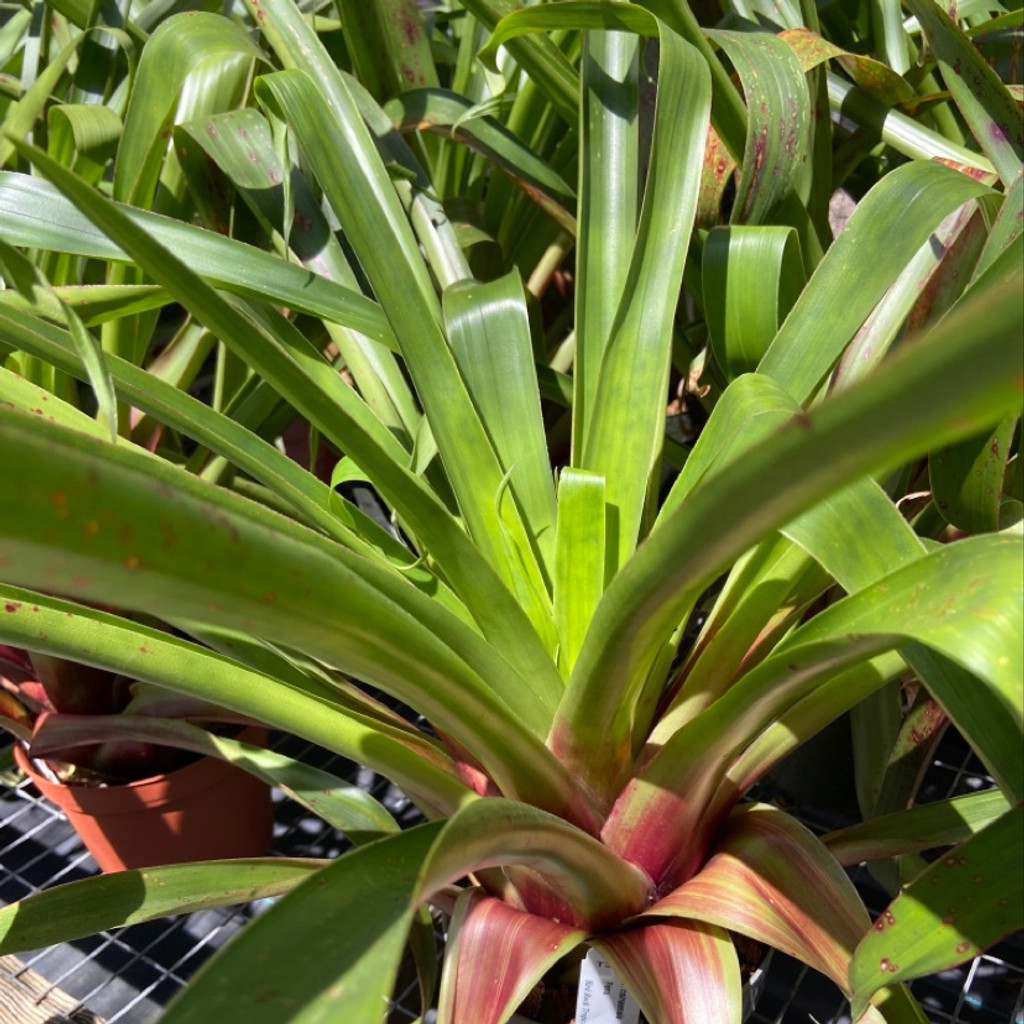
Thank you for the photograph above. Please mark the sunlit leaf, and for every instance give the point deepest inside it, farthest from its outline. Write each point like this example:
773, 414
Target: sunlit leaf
963, 903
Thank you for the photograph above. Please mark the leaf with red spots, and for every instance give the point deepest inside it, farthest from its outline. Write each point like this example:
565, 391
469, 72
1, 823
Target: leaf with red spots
986, 104
719, 166
964, 903
871, 75
779, 121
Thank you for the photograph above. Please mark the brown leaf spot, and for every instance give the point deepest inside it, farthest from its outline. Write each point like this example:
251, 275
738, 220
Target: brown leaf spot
12, 606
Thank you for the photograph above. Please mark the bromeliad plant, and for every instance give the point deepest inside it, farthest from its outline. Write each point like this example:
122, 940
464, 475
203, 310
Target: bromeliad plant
585, 762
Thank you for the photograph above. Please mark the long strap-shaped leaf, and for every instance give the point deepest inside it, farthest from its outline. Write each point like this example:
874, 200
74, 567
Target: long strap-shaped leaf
304, 492
919, 401
679, 972
607, 211
363, 902
240, 142
489, 330
324, 116
539, 58
985, 102
889, 225
198, 43
486, 934
965, 902
110, 525
961, 600
342, 805
270, 341
34, 214
138, 652
78, 909
779, 121
627, 420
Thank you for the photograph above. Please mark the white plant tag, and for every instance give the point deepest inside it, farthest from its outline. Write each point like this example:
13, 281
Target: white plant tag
602, 998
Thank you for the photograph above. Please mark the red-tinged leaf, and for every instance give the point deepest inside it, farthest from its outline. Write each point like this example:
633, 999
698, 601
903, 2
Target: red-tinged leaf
496, 954
872, 76
771, 879
719, 166
987, 106
14, 717
779, 118
680, 972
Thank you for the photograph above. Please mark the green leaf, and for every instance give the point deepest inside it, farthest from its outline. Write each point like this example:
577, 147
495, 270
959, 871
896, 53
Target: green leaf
627, 420
206, 47
959, 600
249, 569
922, 291
751, 277
241, 143
778, 121
609, 139
574, 15
21, 116
447, 114
889, 225
308, 496
361, 907
266, 339
364, 901
925, 827
295, 705
986, 104
1005, 230
34, 214
84, 137
989, 717
77, 909
963, 903
881, 422
341, 805
488, 329
896, 129
19, 393
388, 45
967, 478
861, 510
579, 559
539, 58
369, 210
93, 303
29, 281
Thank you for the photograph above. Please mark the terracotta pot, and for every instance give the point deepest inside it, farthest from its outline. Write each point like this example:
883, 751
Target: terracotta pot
208, 810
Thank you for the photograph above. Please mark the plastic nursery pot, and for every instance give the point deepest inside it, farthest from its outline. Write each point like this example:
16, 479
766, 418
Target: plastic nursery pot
208, 810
